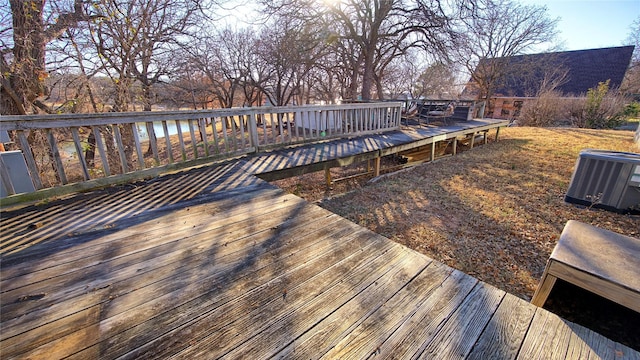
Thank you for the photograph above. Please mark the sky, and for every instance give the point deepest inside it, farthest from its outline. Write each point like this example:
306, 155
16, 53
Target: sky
589, 24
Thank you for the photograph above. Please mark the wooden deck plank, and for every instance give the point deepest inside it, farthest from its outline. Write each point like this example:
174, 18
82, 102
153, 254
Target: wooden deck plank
369, 284
552, 337
131, 201
546, 338
232, 267
245, 299
172, 283
414, 334
141, 236
218, 332
140, 270
134, 230
69, 223
369, 332
461, 329
506, 330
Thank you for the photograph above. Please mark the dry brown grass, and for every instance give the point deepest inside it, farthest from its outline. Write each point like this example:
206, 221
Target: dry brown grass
494, 212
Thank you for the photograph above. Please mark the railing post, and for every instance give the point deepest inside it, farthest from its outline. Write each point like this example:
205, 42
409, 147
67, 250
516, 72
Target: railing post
253, 130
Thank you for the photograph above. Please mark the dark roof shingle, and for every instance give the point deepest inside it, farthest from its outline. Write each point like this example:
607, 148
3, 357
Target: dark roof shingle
584, 69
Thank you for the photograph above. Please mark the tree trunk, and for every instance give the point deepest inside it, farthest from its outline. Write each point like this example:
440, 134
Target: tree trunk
90, 153
368, 70
121, 105
25, 82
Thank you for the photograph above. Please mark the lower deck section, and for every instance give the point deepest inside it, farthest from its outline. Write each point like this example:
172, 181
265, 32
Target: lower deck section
215, 263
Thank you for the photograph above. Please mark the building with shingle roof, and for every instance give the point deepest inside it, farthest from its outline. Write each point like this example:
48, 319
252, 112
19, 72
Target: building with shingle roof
575, 73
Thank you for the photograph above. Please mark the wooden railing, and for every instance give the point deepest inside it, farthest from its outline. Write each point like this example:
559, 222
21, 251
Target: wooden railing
77, 148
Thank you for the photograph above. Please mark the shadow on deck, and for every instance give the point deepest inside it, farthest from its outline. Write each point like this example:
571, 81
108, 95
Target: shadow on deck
214, 262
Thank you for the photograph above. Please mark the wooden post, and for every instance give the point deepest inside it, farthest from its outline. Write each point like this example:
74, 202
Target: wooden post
473, 138
433, 151
455, 145
202, 128
194, 143
327, 176
497, 132
485, 136
376, 167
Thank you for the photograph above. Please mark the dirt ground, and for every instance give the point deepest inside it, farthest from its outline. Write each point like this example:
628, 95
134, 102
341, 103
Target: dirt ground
494, 212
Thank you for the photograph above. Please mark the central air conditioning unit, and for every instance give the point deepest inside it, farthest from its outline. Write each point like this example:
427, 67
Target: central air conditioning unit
606, 179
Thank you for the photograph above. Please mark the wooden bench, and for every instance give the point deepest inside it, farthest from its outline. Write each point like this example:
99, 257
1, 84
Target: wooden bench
597, 260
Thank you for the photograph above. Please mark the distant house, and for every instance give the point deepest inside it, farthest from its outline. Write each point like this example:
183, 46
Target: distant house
572, 73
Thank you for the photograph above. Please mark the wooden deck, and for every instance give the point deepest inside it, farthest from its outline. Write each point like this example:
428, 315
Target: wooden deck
321, 156
214, 262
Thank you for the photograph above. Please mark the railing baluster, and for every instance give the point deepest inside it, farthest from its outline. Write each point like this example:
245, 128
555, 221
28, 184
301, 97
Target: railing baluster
273, 128
153, 141
234, 136
103, 153
214, 129
78, 145
280, 117
136, 139
289, 125
167, 140
297, 118
57, 161
253, 131
123, 156
194, 143
202, 127
264, 128
31, 162
224, 133
183, 150
243, 120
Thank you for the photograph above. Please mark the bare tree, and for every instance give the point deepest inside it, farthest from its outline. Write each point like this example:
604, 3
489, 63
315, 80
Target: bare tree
220, 58
439, 80
496, 30
135, 41
631, 83
287, 51
22, 67
375, 31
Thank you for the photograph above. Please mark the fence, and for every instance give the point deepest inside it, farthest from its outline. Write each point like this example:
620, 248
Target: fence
75, 148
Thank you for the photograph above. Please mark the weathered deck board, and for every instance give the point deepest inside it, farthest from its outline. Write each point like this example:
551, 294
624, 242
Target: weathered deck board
214, 262
314, 157
512, 318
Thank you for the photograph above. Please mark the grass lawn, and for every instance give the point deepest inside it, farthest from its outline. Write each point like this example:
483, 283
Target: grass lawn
494, 212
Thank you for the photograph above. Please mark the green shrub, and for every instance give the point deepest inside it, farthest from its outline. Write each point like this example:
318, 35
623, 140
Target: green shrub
632, 110
602, 109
